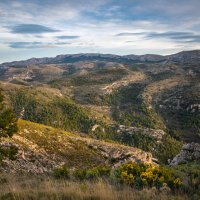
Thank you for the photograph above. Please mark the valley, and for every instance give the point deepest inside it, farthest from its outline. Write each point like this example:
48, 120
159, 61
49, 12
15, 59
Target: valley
101, 81
84, 111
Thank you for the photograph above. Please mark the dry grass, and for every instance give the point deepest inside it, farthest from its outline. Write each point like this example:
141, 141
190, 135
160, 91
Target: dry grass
28, 187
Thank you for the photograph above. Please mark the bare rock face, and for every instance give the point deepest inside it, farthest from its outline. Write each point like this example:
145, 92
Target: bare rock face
156, 134
26, 160
189, 152
117, 155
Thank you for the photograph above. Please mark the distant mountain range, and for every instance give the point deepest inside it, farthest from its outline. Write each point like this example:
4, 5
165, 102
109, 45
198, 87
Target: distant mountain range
182, 57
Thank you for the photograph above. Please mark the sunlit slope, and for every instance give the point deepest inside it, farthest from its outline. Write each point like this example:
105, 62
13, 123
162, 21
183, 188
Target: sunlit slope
43, 148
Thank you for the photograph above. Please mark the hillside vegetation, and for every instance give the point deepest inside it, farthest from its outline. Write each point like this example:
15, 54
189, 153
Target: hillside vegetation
56, 110
42, 149
92, 122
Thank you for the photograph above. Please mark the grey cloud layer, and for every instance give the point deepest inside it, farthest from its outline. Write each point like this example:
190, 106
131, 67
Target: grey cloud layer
20, 45
178, 36
30, 29
34, 45
63, 37
129, 34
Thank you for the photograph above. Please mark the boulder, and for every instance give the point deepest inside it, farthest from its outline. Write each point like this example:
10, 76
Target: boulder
189, 152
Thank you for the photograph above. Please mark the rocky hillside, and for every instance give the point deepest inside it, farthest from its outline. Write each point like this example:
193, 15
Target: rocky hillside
150, 102
41, 149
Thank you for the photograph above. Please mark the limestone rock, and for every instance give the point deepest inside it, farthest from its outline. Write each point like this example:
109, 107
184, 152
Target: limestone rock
189, 152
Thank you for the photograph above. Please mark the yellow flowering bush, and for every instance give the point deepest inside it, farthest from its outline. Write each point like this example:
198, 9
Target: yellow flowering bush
128, 178
177, 182
144, 175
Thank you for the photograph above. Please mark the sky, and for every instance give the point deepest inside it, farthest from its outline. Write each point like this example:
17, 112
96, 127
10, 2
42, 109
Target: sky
46, 28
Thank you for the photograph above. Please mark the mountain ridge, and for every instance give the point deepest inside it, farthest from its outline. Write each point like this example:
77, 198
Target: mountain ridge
63, 58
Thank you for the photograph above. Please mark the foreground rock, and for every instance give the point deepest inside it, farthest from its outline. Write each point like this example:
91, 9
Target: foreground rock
190, 152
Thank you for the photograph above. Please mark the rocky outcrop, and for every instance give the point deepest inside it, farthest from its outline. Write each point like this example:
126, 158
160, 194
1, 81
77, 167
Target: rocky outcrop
26, 160
190, 152
132, 78
116, 154
156, 134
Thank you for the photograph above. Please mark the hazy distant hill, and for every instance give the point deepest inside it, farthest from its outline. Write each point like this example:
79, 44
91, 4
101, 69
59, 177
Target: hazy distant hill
182, 57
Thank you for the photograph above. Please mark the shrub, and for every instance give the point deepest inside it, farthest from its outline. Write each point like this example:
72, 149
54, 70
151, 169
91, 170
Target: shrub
104, 171
9, 152
168, 149
97, 172
190, 174
144, 175
93, 173
62, 172
79, 174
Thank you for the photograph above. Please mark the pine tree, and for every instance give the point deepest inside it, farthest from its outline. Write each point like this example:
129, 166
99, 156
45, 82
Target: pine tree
8, 121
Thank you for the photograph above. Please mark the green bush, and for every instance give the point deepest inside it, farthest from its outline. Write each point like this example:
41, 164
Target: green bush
62, 172
104, 171
190, 174
97, 172
9, 152
79, 174
168, 149
93, 173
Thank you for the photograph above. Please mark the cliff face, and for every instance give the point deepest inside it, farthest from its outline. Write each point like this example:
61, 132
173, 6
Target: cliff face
190, 152
41, 149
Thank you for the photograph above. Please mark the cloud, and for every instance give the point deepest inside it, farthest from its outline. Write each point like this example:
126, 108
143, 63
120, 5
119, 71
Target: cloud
45, 11
188, 37
129, 34
130, 41
34, 45
30, 29
62, 37
176, 36
26, 45
169, 34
